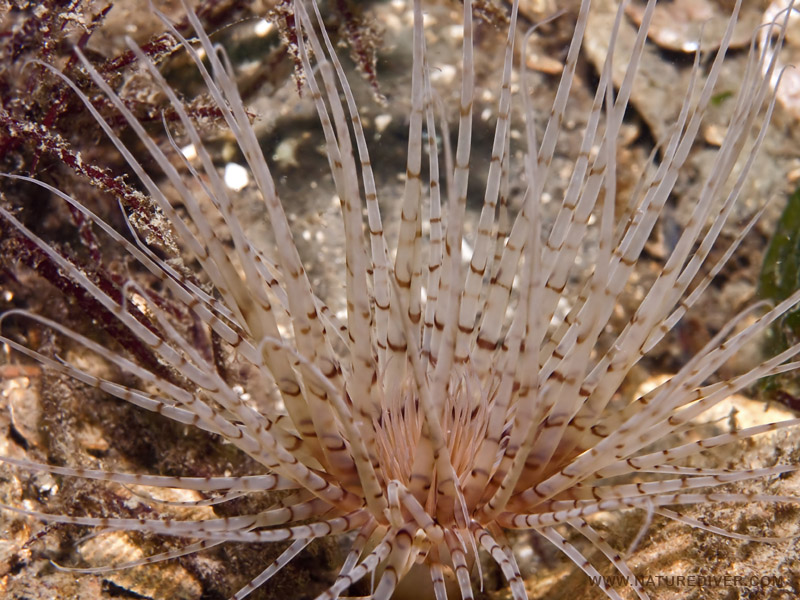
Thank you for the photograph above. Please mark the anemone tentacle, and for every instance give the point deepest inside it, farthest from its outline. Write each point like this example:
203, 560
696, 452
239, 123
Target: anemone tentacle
452, 402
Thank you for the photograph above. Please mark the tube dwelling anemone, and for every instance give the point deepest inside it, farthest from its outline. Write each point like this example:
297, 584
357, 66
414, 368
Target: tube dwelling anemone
449, 405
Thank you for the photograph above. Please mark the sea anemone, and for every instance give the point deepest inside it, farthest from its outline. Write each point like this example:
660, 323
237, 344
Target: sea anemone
456, 398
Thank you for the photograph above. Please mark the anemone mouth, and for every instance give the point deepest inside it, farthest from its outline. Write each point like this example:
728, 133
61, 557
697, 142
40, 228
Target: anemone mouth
447, 404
